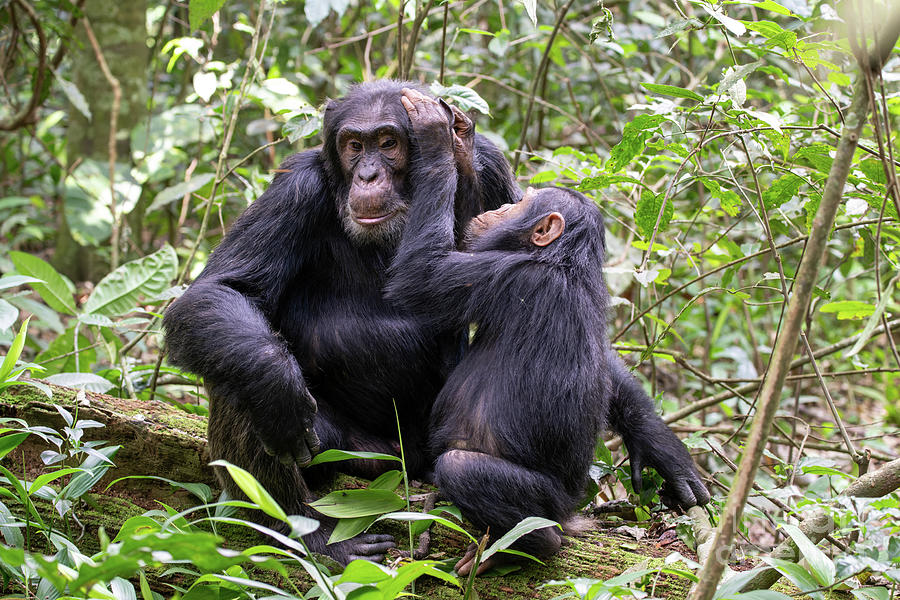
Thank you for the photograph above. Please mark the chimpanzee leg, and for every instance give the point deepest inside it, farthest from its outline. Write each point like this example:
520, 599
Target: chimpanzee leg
496, 493
231, 438
649, 440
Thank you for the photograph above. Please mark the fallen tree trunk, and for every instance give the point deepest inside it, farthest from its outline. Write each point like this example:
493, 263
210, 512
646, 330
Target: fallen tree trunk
156, 438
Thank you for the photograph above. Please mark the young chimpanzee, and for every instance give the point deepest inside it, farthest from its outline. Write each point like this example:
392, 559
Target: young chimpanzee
515, 425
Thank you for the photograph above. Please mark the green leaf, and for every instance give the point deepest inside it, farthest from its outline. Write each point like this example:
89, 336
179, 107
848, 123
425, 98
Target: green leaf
11, 281
253, 489
799, 576
673, 91
46, 478
118, 292
200, 10
177, 191
10, 442
94, 467
781, 190
358, 503
82, 381
728, 199
465, 98
822, 566
55, 290
531, 9
335, 455
735, 75
848, 309
415, 516
392, 588
8, 315
768, 29
774, 7
634, 138
648, 209
522, 528
679, 26
15, 350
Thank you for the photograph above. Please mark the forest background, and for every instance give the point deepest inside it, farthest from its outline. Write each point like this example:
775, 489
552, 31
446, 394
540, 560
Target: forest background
744, 157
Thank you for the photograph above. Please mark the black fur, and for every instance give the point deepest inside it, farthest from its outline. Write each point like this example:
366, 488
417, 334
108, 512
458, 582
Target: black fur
516, 423
289, 314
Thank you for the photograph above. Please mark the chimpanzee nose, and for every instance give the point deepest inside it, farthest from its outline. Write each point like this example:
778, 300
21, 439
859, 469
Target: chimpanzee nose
367, 173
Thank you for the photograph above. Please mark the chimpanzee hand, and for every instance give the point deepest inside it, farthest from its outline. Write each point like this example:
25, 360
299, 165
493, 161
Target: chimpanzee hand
431, 120
664, 452
285, 429
463, 141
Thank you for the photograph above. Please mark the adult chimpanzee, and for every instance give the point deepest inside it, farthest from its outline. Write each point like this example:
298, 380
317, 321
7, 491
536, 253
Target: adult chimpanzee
515, 426
287, 324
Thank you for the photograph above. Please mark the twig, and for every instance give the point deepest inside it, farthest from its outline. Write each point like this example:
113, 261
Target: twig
541, 73
113, 126
410, 53
26, 116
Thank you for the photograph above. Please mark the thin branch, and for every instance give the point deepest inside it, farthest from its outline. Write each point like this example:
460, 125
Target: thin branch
26, 116
111, 143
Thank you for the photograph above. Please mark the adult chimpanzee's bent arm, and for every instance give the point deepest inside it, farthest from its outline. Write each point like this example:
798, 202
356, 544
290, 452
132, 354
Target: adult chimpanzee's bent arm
650, 442
220, 328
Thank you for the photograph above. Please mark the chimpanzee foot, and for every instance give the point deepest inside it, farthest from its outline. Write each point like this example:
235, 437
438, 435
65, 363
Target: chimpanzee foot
467, 562
366, 546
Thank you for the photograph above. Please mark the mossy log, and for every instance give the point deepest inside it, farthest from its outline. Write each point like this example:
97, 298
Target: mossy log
162, 440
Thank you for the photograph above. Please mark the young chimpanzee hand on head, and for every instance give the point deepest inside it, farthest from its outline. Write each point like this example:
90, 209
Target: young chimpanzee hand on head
515, 426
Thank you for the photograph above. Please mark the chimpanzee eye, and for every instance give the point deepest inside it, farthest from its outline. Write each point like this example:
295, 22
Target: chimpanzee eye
355, 146
388, 144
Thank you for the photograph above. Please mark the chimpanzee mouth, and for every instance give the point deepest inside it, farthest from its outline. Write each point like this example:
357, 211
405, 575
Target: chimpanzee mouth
373, 220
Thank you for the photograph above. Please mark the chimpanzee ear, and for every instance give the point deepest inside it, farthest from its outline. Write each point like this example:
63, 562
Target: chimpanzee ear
447, 110
548, 229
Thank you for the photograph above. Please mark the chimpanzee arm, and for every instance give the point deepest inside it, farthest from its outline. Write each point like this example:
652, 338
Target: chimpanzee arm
428, 275
650, 442
220, 328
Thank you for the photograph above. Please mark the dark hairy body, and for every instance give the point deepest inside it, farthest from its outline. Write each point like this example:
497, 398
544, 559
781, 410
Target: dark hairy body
287, 323
515, 426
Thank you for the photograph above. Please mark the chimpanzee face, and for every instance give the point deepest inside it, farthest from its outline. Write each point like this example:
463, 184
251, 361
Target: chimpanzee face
373, 147
529, 223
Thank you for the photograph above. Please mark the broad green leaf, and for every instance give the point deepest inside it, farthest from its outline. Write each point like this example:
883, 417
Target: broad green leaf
10, 442
55, 290
732, 25
393, 588
648, 209
728, 199
634, 137
46, 478
349, 528
200, 10
364, 572
773, 6
672, 90
118, 292
601, 181
781, 190
822, 567
799, 576
465, 98
736, 74
177, 191
821, 470
84, 381
253, 489
874, 170
358, 503
335, 455
416, 516
15, 350
522, 528
11, 281
8, 315
679, 26
531, 9
768, 29
874, 318
848, 309
760, 595
317, 10
74, 95
95, 467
